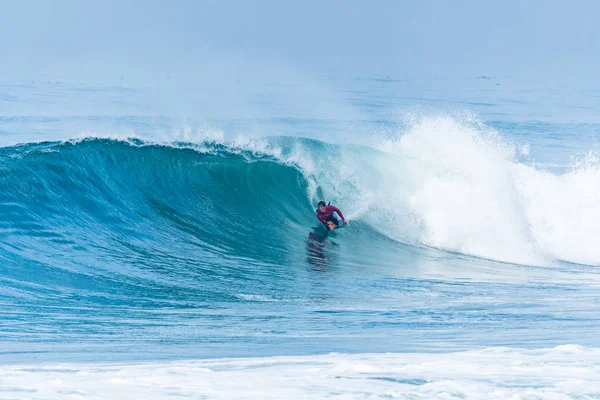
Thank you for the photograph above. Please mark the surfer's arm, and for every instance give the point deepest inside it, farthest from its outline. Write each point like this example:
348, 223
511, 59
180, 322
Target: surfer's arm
337, 210
321, 218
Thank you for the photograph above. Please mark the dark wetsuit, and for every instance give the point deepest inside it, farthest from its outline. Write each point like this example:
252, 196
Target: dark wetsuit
328, 215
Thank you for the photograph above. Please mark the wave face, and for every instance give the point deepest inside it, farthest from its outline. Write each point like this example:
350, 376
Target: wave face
144, 216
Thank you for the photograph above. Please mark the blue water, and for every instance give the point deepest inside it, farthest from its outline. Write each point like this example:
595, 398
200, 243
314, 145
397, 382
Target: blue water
143, 224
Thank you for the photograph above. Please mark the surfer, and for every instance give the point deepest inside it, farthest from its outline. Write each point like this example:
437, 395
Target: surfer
325, 215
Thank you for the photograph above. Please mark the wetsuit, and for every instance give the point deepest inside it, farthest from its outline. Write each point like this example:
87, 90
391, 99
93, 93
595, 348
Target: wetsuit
328, 215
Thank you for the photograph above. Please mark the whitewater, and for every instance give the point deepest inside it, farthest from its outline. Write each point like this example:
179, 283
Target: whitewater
144, 255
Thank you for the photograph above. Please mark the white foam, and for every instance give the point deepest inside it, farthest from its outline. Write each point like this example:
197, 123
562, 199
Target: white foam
258, 297
466, 189
564, 372
199, 135
473, 196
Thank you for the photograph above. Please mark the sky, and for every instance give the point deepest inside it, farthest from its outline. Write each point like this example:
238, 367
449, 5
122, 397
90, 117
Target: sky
156, 40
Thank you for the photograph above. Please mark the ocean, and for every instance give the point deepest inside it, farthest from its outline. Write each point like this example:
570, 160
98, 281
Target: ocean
159, 242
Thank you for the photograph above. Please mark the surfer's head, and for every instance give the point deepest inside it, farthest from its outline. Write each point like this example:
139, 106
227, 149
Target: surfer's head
322, 206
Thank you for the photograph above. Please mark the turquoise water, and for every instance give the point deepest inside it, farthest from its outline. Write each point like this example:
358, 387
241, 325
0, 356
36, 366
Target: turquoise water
129, 234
